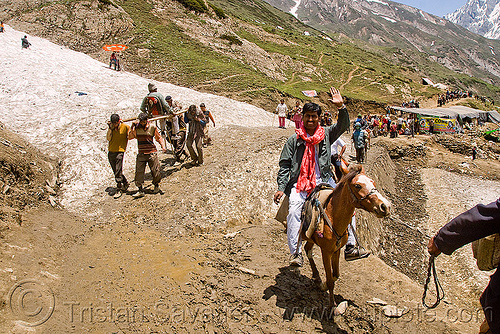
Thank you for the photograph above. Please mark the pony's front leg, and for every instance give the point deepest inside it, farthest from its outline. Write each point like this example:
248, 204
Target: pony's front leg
330, 280
336, 265
315, 273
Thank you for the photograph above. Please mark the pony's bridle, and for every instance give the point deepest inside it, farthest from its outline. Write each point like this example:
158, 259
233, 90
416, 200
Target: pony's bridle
360, 200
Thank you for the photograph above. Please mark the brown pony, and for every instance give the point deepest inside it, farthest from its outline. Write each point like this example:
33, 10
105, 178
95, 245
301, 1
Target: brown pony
355, 190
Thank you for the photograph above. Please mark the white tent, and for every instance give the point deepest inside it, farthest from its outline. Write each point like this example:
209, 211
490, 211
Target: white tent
456, 112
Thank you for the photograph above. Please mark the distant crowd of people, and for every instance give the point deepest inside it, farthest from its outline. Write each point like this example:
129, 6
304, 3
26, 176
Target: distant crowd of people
295, 115
162, 120
411, 104
452, 95
383, 125
484, 99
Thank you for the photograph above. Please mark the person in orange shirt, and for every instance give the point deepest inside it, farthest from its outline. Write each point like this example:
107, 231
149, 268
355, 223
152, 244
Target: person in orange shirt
117, 137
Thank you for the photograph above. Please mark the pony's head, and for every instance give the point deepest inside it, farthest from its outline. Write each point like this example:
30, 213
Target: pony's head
364, 194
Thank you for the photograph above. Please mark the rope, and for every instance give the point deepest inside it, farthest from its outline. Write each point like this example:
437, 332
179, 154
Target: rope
431, 270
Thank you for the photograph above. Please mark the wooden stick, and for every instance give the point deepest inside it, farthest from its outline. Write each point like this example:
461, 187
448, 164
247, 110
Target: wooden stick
156, 118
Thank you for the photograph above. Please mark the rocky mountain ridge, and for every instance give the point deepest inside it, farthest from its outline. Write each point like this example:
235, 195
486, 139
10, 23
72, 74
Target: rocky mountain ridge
479, 16
410, 33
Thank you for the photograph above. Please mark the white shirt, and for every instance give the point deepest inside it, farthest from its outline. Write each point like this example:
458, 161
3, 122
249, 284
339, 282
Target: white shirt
281, 109
337, 146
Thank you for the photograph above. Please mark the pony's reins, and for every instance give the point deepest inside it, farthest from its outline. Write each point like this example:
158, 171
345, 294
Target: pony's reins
431, 270
318, 205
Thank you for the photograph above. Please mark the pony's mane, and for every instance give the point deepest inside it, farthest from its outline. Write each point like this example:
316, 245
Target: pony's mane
353, 171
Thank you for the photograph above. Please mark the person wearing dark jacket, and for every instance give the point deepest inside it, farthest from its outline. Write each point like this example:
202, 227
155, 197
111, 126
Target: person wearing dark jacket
474, 224
24, 42
305, 162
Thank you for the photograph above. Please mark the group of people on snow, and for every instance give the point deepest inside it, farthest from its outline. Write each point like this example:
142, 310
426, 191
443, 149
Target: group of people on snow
162, 120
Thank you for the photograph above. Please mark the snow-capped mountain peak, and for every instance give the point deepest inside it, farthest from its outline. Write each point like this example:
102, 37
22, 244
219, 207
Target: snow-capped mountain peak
479, 16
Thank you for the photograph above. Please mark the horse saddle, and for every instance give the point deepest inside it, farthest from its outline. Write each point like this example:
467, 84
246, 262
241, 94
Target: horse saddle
311, 217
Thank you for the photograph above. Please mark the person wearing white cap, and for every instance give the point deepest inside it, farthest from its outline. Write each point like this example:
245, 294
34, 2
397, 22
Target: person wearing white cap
174, 107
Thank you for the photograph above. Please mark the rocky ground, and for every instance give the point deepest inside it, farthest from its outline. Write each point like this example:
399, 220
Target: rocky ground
206, 255
27, 178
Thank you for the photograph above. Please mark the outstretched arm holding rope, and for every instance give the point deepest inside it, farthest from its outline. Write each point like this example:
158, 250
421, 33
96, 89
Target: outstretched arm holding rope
476, 223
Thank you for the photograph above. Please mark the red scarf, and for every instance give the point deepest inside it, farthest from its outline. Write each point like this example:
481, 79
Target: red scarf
307, 176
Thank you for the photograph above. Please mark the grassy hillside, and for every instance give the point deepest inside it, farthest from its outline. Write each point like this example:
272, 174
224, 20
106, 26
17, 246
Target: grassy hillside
428, 44
304, 62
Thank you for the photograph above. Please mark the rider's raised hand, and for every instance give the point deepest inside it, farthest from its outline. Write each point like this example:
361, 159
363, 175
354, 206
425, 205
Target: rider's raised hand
336, 99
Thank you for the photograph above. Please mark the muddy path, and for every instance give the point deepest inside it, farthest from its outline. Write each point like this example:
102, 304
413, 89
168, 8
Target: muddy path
205, 256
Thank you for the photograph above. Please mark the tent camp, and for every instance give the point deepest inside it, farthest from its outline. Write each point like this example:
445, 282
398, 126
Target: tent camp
457, 112
458, 115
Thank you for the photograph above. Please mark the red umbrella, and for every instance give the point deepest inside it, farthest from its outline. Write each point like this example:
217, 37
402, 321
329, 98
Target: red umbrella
115, 47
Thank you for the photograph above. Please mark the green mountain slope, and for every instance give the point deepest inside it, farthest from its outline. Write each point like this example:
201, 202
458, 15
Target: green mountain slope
407, 36
255, 54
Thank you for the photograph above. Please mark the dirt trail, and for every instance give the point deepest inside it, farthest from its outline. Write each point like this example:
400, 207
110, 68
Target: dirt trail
320, 60
349, 78
203, 257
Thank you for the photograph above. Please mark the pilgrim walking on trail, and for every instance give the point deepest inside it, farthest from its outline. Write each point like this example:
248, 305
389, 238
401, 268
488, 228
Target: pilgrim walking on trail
178, 141
24, 42
297, 115
173, 125
195, 135
282, 111
113, 60
359, 138
208, 117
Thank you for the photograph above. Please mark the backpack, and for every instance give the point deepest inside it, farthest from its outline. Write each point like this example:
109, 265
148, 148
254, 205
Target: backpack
487, 252
154, 106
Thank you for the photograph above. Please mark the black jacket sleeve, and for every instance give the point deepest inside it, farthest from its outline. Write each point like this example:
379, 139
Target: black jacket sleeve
476, 223
341, 126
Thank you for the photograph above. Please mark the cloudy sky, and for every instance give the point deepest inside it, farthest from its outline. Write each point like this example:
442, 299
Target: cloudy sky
439, 8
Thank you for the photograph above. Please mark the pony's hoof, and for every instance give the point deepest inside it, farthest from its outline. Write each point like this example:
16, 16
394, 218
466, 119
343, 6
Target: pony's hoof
317, 281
